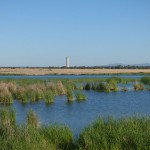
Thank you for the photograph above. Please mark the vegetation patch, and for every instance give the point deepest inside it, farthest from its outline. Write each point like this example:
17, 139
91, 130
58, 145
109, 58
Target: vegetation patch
109, 134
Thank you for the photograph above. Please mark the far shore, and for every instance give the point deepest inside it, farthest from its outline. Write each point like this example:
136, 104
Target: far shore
46, 71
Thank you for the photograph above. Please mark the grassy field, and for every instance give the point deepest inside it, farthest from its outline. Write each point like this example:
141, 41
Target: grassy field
40, 71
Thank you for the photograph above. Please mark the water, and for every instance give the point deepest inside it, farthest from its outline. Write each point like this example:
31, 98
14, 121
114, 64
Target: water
78, 115
136, 76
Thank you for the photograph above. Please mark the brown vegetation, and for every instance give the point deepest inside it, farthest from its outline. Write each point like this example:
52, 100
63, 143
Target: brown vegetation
45, 71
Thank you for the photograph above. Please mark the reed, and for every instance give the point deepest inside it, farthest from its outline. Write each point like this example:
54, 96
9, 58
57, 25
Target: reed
21, 94
80, 96
32, 119
145, 80
49, 97
60, 88
87, 87
46, 89
109, 134
103, 87
122, 134
5, 96
7, 117
70, 95
31, 136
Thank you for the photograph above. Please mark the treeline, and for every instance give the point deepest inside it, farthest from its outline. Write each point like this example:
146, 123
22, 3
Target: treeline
86, 67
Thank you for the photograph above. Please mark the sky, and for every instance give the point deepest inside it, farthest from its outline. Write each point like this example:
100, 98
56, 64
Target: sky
91, 32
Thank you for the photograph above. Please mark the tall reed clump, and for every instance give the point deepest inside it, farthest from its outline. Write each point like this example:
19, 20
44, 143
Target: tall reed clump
70, 95
60, 88
32, 119
61, 136
87, 87
103, 87
36, 91
6, 96
124, 134
106, 86
50, 86
138, 86
49, 97
80, 96
7, 117
145, 80
21, 94
31, 136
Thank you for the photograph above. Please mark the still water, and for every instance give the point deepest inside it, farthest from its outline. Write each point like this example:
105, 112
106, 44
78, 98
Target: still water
78, 115
73, 76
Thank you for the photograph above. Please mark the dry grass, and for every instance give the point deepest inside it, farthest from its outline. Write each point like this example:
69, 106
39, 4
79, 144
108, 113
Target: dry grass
39, 71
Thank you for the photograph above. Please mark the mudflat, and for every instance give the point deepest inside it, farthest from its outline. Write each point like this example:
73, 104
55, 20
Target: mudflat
46, 71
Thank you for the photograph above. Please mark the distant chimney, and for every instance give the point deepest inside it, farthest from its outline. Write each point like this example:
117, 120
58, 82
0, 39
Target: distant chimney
67, 62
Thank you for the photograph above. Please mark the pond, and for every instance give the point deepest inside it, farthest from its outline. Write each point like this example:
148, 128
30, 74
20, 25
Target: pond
78, 115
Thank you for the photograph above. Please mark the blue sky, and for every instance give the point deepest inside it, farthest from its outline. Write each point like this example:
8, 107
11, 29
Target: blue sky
90, 32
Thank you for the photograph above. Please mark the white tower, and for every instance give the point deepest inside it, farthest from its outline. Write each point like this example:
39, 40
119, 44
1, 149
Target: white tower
67, 62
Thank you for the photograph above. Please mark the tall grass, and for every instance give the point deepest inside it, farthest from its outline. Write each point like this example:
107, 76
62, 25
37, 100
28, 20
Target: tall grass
32, 90
145, 80
30, 136
70, 95
80, 96
49, 97
123, 134
87, 87
32, 119
104, 134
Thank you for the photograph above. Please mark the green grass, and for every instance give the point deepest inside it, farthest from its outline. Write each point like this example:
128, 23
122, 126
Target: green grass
80, 96
70, 95
123, 134
104, 134
145, 80
31, 136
